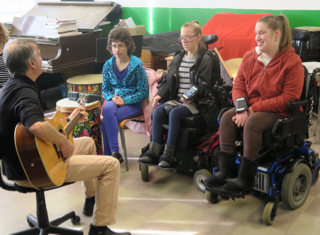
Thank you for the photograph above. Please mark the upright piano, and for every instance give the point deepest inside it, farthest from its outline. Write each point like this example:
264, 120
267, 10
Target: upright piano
66, 56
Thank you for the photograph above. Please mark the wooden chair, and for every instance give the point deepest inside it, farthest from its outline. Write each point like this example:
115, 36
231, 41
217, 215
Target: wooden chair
229, 68
147, 58
122, 135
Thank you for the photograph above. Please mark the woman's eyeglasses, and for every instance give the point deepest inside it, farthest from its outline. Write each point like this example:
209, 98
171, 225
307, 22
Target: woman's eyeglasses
121, 46
187, 38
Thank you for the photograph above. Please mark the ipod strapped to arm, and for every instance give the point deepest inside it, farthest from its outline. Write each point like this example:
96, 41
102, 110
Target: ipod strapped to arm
241, 105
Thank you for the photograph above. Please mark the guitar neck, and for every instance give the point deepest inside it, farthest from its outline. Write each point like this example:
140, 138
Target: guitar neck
73, 122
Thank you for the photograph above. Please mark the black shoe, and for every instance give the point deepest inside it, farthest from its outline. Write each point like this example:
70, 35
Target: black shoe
167, 158
117, 156
153, 154
245, 179
103, 230
228, 169
88, 206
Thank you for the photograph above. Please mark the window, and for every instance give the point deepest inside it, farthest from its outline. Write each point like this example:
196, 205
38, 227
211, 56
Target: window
12, 8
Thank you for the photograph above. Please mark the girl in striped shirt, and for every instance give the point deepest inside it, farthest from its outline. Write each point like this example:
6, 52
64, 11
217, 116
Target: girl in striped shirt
4, 72
190, 67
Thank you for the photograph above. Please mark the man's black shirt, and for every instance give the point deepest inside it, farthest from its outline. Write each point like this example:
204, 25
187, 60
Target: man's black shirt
18, 103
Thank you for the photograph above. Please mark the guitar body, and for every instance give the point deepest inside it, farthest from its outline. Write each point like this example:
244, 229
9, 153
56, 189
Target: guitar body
41, 161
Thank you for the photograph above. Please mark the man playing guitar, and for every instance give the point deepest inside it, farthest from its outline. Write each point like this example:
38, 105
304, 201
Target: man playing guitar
19, 103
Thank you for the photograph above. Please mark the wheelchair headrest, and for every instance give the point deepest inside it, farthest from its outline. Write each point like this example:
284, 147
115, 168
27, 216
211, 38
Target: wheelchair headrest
300, 34
209, 39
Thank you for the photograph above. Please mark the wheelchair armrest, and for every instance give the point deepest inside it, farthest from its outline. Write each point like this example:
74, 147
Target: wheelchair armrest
297, 104
295, 125
282, 128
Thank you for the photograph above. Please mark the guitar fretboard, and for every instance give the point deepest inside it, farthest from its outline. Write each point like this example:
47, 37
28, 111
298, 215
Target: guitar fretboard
69, 127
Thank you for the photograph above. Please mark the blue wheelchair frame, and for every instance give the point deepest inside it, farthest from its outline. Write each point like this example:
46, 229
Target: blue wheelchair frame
269, 180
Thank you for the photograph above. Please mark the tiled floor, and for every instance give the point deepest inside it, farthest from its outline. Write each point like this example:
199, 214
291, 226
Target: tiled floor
169, 204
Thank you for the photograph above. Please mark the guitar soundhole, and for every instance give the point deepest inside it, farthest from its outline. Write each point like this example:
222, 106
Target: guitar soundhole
61, 130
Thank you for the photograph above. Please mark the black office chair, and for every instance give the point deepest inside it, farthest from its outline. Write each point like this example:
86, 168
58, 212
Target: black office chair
103, 54
300, 37
41, 225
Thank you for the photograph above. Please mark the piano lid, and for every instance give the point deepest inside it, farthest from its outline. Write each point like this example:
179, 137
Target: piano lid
88, 14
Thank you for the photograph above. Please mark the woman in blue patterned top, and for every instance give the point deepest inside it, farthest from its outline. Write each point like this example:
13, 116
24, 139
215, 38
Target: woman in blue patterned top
124, 87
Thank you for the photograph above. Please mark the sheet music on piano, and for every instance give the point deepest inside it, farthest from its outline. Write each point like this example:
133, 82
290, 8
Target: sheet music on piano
71, 55
29, 26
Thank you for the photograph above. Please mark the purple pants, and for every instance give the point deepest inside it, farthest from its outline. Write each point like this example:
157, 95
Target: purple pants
112, 116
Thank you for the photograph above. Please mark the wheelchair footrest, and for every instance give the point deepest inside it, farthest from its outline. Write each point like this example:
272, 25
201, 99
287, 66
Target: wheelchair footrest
166, 168
226, 195
146, 164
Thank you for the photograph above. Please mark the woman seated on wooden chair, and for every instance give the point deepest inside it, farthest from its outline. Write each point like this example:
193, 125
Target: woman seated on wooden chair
190, 67
124, 87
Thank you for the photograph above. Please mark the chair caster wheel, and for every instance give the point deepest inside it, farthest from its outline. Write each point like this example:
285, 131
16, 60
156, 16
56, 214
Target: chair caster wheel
75, 220
30, 224
269, 213
145, 173
212, 197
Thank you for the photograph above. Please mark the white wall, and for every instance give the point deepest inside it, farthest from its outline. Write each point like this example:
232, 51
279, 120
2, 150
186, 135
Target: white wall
236, 4
10, 8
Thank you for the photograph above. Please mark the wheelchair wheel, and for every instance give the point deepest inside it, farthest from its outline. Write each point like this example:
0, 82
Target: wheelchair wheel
201, 174
269, 213
144, 172
211, 197
296, 186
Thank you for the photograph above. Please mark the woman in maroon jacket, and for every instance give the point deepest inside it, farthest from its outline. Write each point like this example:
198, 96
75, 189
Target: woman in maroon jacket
270, 76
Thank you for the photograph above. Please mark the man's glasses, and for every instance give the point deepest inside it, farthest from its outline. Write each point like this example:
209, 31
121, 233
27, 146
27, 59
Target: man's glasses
187, 38
121, 46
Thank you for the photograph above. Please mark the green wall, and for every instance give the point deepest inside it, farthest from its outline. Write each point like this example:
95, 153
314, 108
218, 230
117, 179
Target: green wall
159, 20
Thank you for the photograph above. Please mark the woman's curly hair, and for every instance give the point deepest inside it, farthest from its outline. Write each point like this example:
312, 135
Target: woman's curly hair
123, 35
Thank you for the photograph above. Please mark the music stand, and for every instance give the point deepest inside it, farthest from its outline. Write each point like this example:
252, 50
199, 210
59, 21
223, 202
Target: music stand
103, 54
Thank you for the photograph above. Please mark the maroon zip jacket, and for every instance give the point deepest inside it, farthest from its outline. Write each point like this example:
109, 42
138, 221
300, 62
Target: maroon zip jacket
269, 88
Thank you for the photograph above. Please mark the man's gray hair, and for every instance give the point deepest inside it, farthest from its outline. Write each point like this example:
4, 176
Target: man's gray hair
17, 53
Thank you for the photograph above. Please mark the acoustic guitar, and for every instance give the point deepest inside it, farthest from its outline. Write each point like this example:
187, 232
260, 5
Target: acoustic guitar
42, 161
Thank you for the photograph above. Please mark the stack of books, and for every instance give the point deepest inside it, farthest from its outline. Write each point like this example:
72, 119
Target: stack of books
60, 28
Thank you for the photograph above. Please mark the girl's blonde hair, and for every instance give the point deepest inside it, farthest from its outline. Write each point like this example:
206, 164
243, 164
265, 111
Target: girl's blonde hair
195, 25
279, 22
4, 37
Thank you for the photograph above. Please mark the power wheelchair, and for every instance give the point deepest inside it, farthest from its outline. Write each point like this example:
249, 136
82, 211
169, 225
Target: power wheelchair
198, 139
287, 166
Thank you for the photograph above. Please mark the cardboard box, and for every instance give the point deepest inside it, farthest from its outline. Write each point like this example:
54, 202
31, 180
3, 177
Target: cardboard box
140, 30
169, 59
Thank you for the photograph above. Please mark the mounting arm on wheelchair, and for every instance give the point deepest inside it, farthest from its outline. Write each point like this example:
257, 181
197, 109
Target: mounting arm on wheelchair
216, 93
